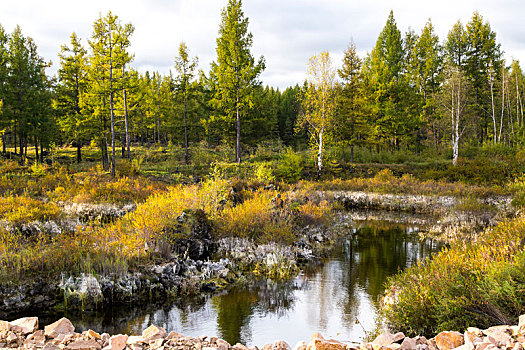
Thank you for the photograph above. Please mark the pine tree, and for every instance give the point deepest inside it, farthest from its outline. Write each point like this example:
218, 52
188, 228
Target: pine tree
235, 73
109, 42
72, 82
185, 68
4, 56
350, 122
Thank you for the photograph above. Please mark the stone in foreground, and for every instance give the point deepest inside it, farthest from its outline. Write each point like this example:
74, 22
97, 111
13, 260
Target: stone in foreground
62, 326
449, 340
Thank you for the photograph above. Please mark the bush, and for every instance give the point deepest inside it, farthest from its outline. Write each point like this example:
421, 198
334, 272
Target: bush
290, 167
480, 284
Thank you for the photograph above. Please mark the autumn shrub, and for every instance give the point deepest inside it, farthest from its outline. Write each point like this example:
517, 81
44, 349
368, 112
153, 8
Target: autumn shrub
18, 210
478, 284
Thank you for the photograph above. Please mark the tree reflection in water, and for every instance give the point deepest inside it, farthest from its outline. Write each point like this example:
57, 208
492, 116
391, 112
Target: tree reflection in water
328, 298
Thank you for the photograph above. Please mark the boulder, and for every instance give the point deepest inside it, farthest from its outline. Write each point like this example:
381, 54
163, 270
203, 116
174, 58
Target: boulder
398, 337
300, 345
93, 335
317, 342
281, 345
135, 339
5, 326
521, 324
240, 346
37, 338
25, 325
383, 339
81, 344
62, 326
408, 344
449, 340
153, 333
222, 344
499, 335
174, 335
117, 342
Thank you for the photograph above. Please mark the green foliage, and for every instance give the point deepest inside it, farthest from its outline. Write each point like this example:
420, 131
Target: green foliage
469, 285
290, 167
264, 173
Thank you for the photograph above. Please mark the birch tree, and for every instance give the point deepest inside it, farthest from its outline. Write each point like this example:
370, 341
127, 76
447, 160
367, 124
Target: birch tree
454, 99
319, 103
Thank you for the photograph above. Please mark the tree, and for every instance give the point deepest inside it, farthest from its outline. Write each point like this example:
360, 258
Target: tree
4, 56
454, 101
482, 52
319, 103
385, 65
350, 117
235, 73
27, 94
185, 68
109, 42
72, 82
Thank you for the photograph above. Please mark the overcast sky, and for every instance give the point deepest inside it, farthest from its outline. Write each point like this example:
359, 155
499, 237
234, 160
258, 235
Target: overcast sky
286, 32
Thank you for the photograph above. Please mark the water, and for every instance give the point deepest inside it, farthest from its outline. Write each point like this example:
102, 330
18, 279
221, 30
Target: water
338, 298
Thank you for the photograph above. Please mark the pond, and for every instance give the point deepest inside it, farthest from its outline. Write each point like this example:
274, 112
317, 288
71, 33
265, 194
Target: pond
338, 298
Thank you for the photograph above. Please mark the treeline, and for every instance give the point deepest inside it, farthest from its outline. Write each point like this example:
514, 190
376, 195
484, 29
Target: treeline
412, 91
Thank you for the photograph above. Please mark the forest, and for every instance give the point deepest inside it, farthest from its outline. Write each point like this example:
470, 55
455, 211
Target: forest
413, 92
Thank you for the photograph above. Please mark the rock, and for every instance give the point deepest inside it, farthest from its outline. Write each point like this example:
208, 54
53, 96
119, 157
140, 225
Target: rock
422, 347
432, 344
93, 335
393, 346
517, 346
486, 346
223, 344
499, 335
408, 344
25, 325
281, 345
38, 337
421, 340
156, 344
175, 335
398, 337
521, 323
239, 346
317, 342
135, 339
50, 346
384, 339
5, 326
117, 342
300, 345
153, 333
267, 347
62, 326
449, 340
11, 338
83, 345
471, 339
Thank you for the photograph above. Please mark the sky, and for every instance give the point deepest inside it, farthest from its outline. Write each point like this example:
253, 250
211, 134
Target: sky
285, 32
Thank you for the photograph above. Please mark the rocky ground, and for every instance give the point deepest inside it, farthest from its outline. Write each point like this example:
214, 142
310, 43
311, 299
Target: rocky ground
24, 333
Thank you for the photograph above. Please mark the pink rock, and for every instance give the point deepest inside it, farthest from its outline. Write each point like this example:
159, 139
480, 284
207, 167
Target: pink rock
25, 325
317, 342
117, 342
153, 333
449, 340
62, 326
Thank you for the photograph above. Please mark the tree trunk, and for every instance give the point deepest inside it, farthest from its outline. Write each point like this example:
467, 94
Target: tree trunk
126, 122
79, 152
36, 150
186, 146
320, 154
238, 138
4, 139
112, 132
352, 154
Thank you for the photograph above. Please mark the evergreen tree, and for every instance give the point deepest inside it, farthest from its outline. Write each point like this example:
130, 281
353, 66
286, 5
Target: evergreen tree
109, 43
185, 68
350, 122
72, 82
235, 73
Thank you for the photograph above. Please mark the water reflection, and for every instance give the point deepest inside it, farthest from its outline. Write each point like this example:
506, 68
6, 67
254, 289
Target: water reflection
337, 298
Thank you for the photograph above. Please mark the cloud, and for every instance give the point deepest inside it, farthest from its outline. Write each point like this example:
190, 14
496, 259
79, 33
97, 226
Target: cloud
286, 32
